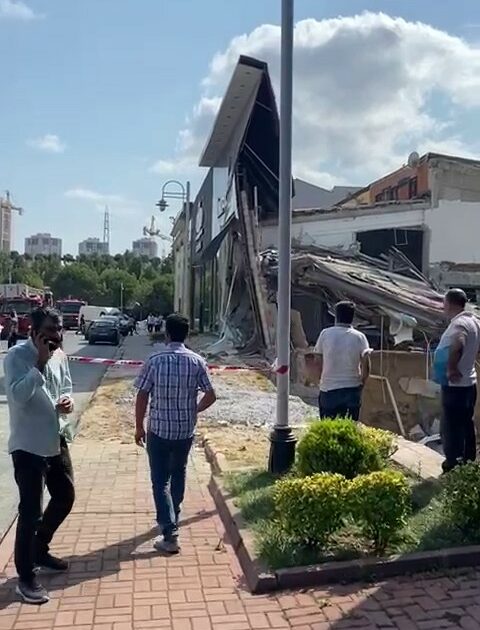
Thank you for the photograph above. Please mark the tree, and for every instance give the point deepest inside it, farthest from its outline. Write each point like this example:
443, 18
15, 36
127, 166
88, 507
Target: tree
77, 280
112, 281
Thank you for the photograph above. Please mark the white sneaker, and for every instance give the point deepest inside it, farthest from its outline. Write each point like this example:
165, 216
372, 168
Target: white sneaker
167, 546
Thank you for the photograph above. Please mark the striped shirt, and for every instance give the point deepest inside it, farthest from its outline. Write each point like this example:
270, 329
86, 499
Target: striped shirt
173, 379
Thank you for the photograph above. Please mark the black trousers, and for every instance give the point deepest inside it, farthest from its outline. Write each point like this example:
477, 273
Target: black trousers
35, 528
457, 426
341, 403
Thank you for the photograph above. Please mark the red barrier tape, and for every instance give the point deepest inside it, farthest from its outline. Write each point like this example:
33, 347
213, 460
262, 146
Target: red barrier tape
283, 369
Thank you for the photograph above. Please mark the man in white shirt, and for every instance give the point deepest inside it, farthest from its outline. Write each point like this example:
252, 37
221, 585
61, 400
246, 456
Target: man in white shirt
455, 371
343, 360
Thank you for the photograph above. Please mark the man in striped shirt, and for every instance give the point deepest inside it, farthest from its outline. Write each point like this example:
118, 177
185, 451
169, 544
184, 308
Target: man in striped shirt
171, 381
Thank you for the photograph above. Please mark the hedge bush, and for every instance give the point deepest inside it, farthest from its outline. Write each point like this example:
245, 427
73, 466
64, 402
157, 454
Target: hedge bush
311, 508
338, 446
380, 503
384, 441
461, 497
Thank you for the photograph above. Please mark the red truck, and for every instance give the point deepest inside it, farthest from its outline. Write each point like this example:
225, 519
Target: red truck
70, 310
22, 299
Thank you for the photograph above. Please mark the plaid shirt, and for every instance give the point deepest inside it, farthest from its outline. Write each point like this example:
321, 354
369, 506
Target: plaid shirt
173, 379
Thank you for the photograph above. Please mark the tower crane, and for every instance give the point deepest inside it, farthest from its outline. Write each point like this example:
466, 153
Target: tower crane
6, 204
154, 232
6, 209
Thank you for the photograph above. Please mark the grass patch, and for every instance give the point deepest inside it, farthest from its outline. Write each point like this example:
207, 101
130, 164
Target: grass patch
427, 527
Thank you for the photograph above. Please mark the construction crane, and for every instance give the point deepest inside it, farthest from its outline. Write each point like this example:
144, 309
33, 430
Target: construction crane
154, 232
6, 209
6, 204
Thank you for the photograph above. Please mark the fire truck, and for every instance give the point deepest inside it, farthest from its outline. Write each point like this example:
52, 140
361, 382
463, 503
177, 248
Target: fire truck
70, 310
22, 299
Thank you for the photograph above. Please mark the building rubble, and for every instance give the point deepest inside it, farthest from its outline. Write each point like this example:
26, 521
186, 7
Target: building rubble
409, 310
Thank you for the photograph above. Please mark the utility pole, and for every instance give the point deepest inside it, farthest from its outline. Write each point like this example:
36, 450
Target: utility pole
121, 296
106, 229
282, 440
187, 275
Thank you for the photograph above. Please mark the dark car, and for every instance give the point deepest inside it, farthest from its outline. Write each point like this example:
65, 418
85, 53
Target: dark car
104, 330
125, 324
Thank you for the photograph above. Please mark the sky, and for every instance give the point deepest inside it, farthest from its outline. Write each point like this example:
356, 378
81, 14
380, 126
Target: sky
102, 101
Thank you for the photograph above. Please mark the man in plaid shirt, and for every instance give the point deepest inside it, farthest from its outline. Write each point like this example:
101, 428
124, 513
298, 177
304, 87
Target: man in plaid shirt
171, 381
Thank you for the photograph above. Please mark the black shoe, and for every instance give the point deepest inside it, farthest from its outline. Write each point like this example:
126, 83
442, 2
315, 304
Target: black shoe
51, 563
32, 592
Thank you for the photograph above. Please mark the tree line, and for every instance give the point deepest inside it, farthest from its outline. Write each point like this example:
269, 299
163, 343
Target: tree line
102, 280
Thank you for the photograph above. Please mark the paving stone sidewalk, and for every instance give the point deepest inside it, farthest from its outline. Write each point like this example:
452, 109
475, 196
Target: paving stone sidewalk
117, 582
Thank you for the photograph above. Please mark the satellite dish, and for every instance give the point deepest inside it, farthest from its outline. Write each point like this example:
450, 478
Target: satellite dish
413, 159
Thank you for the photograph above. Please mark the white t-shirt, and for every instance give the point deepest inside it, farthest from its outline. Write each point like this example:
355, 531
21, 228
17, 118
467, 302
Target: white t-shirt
342, 349
466, 327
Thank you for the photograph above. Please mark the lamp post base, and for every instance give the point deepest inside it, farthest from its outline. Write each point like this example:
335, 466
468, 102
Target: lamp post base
282, 450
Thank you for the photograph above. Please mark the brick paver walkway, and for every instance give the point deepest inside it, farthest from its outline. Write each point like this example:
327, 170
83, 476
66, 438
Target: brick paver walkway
117, 582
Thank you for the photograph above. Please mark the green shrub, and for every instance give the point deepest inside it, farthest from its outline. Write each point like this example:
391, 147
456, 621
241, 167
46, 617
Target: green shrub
311, 508
337, 446
461, 497
384, 441
380, 503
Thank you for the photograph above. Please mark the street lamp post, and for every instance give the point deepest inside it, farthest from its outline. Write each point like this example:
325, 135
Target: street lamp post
184, 195
282, 440
121, 296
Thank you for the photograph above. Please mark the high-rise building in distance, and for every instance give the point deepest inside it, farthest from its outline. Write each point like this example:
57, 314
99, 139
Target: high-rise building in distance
43, 244
92, 247
145, 247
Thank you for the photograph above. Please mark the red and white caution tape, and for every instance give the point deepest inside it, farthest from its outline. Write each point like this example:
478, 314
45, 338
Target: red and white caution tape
109, 362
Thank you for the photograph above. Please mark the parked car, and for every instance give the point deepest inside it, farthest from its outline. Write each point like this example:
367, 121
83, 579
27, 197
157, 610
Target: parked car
104, 330
91, 312
125, 324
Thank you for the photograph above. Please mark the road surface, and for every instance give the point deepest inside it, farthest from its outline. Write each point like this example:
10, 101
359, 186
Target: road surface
86, 378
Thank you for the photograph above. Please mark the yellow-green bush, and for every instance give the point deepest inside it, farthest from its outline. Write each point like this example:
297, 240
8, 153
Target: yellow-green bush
311, 508
380, 503
384, 441
461, 497
337, 446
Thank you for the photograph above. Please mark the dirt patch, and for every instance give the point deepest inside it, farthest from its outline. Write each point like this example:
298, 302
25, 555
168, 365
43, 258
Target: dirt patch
110, 414
248, 380
242, 447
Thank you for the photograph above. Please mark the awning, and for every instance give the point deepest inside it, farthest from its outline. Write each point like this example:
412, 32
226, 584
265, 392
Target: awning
212, 248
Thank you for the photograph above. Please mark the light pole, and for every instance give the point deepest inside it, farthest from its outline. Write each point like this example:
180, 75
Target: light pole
182, 193
121, 296
282, 440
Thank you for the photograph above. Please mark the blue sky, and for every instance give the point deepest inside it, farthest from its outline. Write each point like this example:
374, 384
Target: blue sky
95, 92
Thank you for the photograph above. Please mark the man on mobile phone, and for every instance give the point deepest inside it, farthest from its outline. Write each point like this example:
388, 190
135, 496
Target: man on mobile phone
39, 394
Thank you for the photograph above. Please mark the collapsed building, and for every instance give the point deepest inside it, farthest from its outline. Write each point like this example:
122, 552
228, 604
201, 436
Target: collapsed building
391, 247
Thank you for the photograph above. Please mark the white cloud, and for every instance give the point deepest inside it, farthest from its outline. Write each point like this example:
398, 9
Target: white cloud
363, 92
118, 204
49, 143
16, 10
190, 139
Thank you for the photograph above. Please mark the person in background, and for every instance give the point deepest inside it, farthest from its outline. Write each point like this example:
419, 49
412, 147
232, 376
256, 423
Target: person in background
171, 380
150, 322
454, 369
81, 325
39, 395
342, 361
13, 332
158, 323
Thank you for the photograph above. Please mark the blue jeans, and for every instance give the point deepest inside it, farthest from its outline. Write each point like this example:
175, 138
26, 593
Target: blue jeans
168, 471
341, 403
